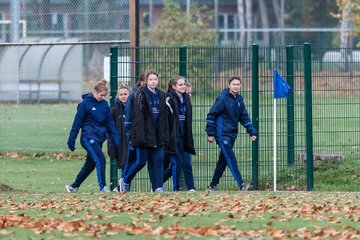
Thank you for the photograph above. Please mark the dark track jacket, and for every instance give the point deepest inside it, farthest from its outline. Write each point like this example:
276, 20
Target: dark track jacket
173, 119
224, 116
144, 133
118, 151
95, 120
129, 114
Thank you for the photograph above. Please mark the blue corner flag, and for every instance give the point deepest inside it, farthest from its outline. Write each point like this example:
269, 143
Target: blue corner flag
281, 88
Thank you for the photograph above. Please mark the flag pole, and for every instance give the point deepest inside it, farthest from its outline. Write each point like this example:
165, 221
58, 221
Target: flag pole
274, 140
281, 90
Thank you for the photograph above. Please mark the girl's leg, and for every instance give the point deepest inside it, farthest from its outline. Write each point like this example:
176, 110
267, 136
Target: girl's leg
156, 168
131, 158
227, 149
219, 170
176, 170
188, 171
97, 156
141, 157
88, 167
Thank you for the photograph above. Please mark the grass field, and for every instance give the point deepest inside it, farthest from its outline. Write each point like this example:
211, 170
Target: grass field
220, 215
44, 128
34, 205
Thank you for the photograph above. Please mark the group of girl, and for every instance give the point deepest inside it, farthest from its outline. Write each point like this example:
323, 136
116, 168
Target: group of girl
151, 127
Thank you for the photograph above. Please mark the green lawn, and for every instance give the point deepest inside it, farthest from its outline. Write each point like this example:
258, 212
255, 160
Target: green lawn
229, 215
44, 128
34, 205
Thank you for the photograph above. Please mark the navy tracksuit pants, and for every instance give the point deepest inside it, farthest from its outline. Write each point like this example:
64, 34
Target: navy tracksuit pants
180, 161
226, 158
154, 159
133, 155
94, 159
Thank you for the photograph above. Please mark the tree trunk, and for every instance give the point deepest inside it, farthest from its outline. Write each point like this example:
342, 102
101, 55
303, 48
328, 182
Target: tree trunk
264, 21
345, 50
248, 15
240, 8
277, 13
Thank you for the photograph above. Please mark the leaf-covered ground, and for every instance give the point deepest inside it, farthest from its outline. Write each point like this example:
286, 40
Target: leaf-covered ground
215, 215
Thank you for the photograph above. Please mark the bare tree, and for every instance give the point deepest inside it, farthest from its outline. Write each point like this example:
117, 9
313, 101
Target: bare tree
277, 13
241, 11
264, 21
248, 16
345, 38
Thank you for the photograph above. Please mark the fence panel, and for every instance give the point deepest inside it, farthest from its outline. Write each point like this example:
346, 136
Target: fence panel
207, 69
36, 126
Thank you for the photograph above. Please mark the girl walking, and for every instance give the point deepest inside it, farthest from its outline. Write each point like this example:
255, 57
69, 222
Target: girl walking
119, 152
149, 133
222, 125
181, 142
95, 120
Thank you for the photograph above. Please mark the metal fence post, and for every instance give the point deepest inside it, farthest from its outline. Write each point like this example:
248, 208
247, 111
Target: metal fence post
182, 60
290, 104
255, 113
182, 72
113, 92
308, 117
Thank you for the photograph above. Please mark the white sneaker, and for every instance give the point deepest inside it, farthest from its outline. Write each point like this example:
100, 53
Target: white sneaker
192, 190
105, 189
160, 189
70, 189
123, 187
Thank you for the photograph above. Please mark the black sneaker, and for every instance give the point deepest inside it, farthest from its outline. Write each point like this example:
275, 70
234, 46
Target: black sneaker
247, 187
211, 189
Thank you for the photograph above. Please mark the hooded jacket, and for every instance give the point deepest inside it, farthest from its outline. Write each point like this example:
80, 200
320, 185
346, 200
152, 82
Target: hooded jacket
224, 116
173, 116
146, 133
95, 120
129, 114
118, 151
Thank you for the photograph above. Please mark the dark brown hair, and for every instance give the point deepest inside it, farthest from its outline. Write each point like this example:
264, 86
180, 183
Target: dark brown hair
149, 72
234, 78
141, 80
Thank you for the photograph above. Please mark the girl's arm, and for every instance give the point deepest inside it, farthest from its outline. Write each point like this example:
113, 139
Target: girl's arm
215, 111
77, 124
110, 126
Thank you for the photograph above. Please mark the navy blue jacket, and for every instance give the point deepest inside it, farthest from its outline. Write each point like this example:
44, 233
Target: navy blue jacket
95, 120
224, 116
129, 114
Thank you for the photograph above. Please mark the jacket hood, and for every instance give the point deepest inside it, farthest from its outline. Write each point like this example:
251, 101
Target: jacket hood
89, 97
86, 95
226, 92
